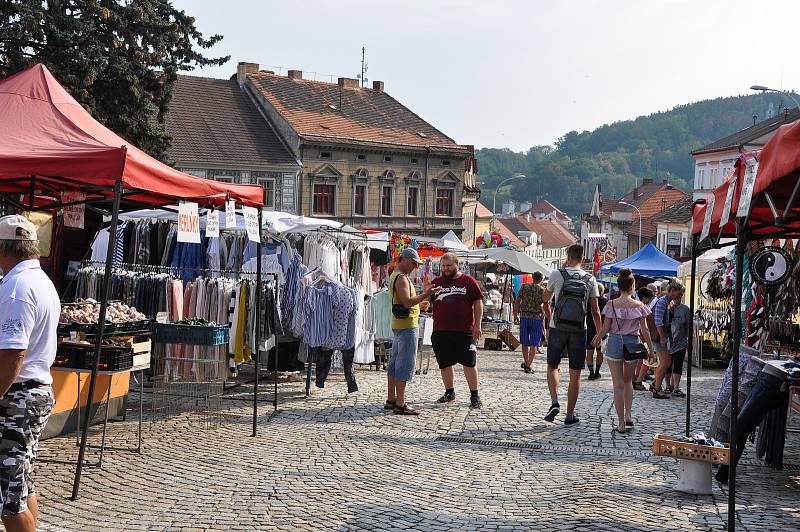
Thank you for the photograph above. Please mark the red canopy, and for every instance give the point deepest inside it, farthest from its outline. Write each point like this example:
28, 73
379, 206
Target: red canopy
49, 137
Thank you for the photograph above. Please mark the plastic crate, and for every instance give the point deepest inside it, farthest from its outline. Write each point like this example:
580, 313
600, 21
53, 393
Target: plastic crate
667, 446
175, 333
112, 358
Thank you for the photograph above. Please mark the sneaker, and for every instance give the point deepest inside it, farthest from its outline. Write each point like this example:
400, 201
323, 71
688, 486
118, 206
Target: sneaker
447, 398
552, 413
475, 402
597, 375
593, 376
571, 420
678, 393
523, 365
528, 369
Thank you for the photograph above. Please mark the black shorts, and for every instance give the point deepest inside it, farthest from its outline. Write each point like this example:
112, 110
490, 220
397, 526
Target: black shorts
676, 366
570, 344
454, 347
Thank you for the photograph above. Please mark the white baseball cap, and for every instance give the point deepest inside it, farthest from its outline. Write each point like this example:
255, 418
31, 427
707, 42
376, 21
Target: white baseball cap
16, 227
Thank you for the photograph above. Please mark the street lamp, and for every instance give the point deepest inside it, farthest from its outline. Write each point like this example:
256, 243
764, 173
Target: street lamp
762, 88
494, 201
640, 220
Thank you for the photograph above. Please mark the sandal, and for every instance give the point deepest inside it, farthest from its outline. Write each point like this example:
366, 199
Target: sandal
639, 386
658, 394
678, 393
616, 429
405, 410
389, 405
629, 424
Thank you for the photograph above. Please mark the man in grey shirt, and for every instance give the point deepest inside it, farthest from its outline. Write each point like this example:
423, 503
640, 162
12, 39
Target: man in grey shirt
679, 317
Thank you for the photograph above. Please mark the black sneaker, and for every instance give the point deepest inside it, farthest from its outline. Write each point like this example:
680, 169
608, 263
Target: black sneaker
552, 413
447, 398
475, 402
571, 420
592, 376
523, 365
597, 374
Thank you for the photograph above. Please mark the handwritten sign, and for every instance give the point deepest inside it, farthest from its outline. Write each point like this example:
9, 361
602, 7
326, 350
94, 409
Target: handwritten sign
251, 223
747, 188
212, 224
74, 214
707, 219
726, 208
188, 223
230, 215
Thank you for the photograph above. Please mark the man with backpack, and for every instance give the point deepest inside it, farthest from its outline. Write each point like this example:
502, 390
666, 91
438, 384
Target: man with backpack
575, 291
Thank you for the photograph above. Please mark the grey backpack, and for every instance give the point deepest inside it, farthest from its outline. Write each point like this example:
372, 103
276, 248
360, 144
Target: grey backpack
572, 301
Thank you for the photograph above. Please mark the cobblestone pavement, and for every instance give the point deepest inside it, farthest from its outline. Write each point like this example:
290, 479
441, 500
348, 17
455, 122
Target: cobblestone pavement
338, 462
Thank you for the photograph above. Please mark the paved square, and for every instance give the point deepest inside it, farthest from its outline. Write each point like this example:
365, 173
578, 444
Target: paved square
338, 462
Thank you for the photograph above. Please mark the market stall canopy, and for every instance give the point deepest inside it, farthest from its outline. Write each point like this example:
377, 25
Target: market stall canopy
50, 139
275, 222
706, 261
647, 261
505, 260
452, 242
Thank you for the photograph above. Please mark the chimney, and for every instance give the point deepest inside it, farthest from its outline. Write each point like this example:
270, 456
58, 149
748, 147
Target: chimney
377, 86
348, 83
295, 74
243, 69
647, 181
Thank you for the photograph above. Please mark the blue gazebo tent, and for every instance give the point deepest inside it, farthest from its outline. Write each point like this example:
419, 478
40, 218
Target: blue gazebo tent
647, 261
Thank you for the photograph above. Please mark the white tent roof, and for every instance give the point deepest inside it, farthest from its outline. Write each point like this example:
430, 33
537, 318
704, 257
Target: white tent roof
705, 262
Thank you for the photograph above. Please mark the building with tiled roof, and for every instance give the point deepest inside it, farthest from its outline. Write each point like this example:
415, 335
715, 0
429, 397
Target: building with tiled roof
613, 224
543, 209
714, 161
673, 228
218, 133
367, 160
545, 240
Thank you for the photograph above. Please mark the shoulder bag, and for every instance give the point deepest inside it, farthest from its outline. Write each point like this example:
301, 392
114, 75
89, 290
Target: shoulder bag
399, 310
630, 352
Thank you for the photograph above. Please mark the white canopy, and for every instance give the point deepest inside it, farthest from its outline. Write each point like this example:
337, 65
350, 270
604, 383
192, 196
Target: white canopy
452, 242
705, 262
275, 222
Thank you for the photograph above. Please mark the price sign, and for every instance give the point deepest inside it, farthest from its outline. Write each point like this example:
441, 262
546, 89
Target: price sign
251, 223
230, 215
707, 219
212, 224
74, 214
188, 223
747, 188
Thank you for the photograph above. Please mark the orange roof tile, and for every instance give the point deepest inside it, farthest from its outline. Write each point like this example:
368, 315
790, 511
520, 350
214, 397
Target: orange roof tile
320, 111
483, 212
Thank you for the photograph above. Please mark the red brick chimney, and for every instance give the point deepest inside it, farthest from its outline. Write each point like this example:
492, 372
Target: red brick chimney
348, 83
295, 74
243, 69
377, 86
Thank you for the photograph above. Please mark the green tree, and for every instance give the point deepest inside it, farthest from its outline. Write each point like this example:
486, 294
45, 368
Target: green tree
118, 58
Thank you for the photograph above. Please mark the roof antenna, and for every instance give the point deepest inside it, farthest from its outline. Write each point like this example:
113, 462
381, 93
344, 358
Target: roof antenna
755, 117
364, 68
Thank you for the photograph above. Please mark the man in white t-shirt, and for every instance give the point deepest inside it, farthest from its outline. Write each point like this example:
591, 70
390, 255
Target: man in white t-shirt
29, 313
569, 337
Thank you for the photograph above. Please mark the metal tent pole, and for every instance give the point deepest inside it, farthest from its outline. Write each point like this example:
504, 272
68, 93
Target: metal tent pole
690, 346
101, 325
737, 337
259, 331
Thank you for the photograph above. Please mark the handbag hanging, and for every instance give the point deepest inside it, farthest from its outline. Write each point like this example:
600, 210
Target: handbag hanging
630, 352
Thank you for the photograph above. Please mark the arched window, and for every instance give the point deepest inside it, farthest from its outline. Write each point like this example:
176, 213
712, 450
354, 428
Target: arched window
362, 172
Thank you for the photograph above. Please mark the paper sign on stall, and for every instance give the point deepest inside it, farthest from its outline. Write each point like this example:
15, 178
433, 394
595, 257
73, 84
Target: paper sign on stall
707, 219
230, 215
74, 214
726, 208
251, 223
212, 224
747, 188
188, 223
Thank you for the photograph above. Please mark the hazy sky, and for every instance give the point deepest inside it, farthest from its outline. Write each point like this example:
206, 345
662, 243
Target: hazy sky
514, 73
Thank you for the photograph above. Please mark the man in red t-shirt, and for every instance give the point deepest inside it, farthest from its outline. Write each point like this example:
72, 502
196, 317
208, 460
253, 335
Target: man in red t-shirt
457, 314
